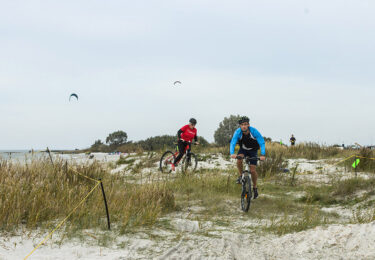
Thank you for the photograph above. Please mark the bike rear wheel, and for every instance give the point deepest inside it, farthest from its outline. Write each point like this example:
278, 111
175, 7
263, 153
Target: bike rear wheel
189, 163
246, 194
166, 161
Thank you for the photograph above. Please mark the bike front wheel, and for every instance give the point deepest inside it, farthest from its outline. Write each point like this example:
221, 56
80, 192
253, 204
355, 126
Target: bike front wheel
246, 194
166, 161
189, 163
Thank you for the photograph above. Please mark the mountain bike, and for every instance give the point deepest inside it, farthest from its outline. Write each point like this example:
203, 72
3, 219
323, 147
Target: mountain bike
246, 193
189, 160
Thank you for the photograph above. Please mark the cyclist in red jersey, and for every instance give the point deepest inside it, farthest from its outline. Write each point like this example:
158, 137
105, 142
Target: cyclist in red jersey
185, 136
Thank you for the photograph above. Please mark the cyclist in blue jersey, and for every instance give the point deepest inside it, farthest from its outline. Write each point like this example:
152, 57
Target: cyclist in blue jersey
250, 140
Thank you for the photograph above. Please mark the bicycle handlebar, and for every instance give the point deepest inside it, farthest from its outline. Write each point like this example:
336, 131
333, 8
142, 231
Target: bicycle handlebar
187, 142
247, 158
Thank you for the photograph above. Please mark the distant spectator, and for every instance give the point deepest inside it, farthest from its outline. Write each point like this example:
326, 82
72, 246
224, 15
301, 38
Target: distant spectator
292, 140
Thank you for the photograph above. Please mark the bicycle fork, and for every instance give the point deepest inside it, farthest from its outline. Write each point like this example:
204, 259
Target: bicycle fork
246, 183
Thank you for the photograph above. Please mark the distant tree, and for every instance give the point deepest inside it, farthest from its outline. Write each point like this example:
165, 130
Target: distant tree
224, 132
117, 138
202, 141
157, 142
98, 146
98, 142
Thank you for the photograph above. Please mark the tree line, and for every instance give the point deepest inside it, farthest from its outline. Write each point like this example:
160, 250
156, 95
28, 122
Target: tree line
118, 140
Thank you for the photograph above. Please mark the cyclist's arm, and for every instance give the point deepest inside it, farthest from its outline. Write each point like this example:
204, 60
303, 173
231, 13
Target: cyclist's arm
233, 142
260, 141
179, 134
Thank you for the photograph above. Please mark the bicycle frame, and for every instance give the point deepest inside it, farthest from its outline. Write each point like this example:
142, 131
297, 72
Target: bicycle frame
246, 173
188, 159
247, 170
186, 152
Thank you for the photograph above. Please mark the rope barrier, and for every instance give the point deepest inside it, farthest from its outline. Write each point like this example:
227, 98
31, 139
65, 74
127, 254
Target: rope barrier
84, 175
344, 159
356, 156
63, 221
365, 158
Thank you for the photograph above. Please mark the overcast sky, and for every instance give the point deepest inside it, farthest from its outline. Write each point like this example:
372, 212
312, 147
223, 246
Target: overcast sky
302, 67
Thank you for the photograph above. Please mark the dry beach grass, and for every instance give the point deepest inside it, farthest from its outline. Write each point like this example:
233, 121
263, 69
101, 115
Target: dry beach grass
36, 194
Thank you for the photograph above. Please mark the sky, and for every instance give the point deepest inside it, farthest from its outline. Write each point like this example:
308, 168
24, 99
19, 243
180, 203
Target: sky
294, 67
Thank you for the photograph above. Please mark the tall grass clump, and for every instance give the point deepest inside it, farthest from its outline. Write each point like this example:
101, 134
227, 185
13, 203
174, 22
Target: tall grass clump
209, 184
38, 194
363, 216
273, 164
310, 151
348, 187
310, 217
339, 192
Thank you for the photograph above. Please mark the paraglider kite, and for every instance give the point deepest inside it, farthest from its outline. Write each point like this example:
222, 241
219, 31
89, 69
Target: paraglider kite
177, 82
73, 95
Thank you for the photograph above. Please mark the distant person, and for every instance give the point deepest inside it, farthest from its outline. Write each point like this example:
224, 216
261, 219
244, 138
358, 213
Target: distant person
185, 136
292, 140
250, 140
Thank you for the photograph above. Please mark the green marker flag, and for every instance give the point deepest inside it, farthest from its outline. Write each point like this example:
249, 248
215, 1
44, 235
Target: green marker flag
355, 163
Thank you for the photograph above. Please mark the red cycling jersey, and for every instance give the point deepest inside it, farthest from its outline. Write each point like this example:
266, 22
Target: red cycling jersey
187, 133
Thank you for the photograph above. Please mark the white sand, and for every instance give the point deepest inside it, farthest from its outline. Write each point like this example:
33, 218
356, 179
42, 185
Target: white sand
85, 158
331, 242
216, 162
320, 171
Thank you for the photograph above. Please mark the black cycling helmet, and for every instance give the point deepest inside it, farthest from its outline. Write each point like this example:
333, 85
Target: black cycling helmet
243, 119
193, 121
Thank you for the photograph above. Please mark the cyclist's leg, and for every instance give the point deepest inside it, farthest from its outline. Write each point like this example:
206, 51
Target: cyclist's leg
254, 175
253, 172
254, 178
253, 165
188, 150
240, 166
181, 150
239, 162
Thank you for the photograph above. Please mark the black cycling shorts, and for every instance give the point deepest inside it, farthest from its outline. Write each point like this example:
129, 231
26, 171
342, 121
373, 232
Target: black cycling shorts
249, 153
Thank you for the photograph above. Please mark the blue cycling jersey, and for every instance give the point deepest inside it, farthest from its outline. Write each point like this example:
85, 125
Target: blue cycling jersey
238, 135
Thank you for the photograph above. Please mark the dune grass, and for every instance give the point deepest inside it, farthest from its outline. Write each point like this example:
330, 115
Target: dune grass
338, 192
311, 151
38, 194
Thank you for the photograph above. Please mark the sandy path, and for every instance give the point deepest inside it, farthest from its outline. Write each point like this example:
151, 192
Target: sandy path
354, 241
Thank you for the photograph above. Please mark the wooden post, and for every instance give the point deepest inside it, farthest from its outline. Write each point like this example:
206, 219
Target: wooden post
105, 204
50, 156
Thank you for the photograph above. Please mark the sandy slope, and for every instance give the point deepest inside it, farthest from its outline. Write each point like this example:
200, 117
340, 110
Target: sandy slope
331, 242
